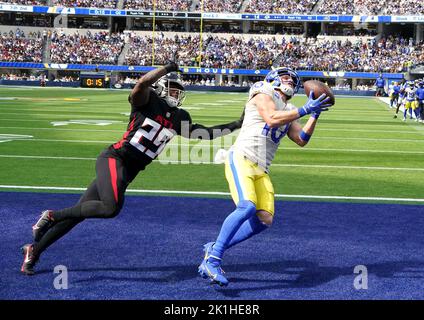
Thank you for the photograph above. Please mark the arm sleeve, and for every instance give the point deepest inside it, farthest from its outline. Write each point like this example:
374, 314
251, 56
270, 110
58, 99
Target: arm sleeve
209, 133
199, 131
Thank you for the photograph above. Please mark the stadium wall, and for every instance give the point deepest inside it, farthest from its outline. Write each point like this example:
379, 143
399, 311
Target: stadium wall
76, 84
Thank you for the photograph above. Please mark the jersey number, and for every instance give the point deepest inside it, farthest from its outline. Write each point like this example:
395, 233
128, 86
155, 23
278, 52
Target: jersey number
155, 133
276, 133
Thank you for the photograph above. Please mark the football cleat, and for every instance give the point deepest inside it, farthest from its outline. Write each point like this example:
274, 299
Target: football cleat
212, 270
207, 249
29, 260
395, 116
43, 225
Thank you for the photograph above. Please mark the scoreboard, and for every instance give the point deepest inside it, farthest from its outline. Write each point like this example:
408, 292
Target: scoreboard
93, 80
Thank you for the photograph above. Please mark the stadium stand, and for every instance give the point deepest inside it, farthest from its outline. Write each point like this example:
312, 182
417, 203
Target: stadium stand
86, 3
404, 7
96, 48
281, 6
220, 6
175, 5
16, 47
226, 43
26, 2
241, 51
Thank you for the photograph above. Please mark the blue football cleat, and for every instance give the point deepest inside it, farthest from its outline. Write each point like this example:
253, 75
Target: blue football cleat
212, 270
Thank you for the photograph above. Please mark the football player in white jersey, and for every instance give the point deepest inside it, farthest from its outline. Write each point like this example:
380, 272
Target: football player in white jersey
268, 118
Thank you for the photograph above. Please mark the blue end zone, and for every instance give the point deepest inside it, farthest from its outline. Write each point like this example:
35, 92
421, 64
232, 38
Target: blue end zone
152, 250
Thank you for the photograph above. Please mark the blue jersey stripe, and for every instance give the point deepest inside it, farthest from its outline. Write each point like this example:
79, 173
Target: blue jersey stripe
236, 178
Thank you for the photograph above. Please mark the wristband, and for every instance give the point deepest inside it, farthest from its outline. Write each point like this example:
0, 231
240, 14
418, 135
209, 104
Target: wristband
302, 112
315, 115
304, 136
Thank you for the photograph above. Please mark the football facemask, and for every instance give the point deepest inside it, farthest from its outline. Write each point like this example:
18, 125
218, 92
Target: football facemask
171, 88
286, 87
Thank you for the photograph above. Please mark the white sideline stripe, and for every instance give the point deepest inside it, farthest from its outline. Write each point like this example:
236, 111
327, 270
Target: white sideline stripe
369, 139
363, 130
122, 131
211, 163
212, 193
64, 129
323, 138
44, 157
212, 145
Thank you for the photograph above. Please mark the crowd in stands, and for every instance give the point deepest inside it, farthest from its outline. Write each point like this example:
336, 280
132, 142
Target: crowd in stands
336, 7
14, 46
26, 2
358, 7
86, 3
219, 6
91, 48
35, 77
388, 54
403, 7
234, 52
281, 6
160, 5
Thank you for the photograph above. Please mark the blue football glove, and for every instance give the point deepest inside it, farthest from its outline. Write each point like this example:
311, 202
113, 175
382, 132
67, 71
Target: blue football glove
316, 114
314, 106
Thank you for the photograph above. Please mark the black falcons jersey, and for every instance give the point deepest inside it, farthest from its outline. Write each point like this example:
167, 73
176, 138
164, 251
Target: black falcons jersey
150, 128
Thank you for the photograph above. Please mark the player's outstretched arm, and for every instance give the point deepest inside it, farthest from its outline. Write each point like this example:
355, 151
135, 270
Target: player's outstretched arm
199, 131
140, 94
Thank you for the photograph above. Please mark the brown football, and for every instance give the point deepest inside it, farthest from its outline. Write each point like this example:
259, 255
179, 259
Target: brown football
318, 88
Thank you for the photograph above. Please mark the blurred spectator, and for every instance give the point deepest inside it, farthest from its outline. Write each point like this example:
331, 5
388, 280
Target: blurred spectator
162, 5
91, 48
219, 6
26, 2
16, 47
86, 3
281, 6
387, 55
404, 7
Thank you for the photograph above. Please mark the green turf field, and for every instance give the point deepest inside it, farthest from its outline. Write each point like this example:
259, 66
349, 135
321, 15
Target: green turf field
358, 149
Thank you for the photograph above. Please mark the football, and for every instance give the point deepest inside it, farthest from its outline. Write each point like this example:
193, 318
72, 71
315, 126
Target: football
318, 88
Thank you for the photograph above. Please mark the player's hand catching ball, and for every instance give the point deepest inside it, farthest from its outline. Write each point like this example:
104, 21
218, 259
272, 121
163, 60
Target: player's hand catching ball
315, 105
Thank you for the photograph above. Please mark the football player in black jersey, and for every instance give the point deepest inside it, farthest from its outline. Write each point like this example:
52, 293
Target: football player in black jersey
155, 118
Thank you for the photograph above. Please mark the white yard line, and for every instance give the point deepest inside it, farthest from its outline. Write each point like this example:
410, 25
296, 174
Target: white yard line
211, 163
122, 131
213, 145
214, 193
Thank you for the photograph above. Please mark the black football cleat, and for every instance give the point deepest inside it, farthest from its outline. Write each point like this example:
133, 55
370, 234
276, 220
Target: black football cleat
43, 225
29, 260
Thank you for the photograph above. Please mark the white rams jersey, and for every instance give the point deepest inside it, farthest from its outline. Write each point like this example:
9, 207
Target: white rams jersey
410, 94
256, 140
